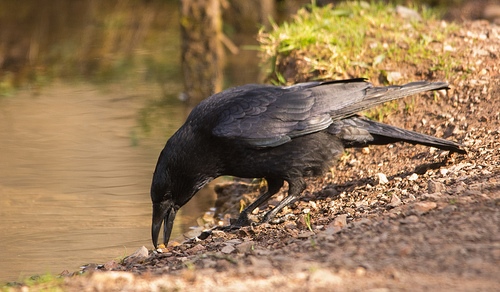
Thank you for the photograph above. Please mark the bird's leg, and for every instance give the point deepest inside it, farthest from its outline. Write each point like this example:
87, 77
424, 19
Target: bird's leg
295, 188
273, 186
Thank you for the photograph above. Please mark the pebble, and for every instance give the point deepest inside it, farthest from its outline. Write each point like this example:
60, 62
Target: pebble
394, 76
395, 201
233, 241
360, 271
424, 207
382, 178
139, 255
432, 196
413, 177
435, 187
228, 249
195, 249
110, 265
340, 221
408, 13
245, 247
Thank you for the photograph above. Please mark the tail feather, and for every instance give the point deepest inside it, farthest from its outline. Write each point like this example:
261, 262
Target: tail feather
357, 131
378, 95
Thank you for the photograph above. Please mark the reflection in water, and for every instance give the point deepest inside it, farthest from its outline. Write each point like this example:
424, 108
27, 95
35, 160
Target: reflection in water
73, 187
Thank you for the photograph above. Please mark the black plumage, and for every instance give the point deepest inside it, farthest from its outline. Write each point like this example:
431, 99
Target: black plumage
276, 133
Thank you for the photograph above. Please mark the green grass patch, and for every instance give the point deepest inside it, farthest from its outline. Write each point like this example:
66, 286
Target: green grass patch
46, 282
356, 39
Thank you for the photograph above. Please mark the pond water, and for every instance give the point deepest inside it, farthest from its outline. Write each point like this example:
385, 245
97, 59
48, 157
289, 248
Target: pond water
80, 140
75, 173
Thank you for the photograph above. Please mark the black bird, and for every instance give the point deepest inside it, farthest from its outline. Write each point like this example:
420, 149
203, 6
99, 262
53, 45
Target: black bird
276, 133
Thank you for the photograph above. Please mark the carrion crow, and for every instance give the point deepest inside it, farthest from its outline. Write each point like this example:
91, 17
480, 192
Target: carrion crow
276, 133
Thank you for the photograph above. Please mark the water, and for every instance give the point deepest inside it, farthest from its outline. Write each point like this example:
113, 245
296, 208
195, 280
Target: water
74, 177
76, 158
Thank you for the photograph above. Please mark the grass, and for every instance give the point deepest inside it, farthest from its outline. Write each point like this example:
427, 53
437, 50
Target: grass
359, 39
307, 219
354, 39
46, 282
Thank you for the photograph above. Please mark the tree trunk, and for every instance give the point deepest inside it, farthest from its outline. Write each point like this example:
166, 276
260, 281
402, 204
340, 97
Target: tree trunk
202, 54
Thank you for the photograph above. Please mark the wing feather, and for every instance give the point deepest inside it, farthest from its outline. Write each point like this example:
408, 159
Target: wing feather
268, 116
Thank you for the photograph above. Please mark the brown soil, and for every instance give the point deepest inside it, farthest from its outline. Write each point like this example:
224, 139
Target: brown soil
432, 225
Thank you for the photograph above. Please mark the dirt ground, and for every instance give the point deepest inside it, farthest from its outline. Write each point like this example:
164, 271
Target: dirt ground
387, 218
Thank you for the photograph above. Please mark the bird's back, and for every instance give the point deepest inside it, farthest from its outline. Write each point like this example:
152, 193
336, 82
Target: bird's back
269, 116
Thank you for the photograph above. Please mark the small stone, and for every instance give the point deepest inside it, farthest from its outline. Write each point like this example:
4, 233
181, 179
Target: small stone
395, 201
443, 171
413, 177
195, 249
139, 255
233, 241
408, 13
245, 247
432, 196
110, 265
382, 179
360, 271
394, 76
305, 234
340, 221
435, 187
228, 249
448, 48
424, 207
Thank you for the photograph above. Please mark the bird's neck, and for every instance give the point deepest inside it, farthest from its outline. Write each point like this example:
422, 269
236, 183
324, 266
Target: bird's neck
190, 163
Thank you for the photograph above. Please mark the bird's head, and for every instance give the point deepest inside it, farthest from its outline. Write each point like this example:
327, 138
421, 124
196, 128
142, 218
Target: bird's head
169, 192
175, 182
167, 197
163, 213
165, 206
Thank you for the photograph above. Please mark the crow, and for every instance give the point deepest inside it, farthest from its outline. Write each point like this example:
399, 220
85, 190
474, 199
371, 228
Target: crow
275, 133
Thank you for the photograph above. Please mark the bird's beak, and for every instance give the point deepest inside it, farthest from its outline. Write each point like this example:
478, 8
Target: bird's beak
162, 212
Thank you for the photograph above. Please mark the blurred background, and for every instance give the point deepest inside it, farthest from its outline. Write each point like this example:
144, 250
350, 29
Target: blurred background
89, 93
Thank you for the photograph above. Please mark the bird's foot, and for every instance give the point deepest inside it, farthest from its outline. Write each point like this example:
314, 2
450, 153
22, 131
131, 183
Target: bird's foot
243, 220
277, 220
234, 224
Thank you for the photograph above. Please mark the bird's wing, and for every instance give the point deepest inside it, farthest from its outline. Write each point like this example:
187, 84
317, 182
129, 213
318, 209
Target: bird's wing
268, 116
